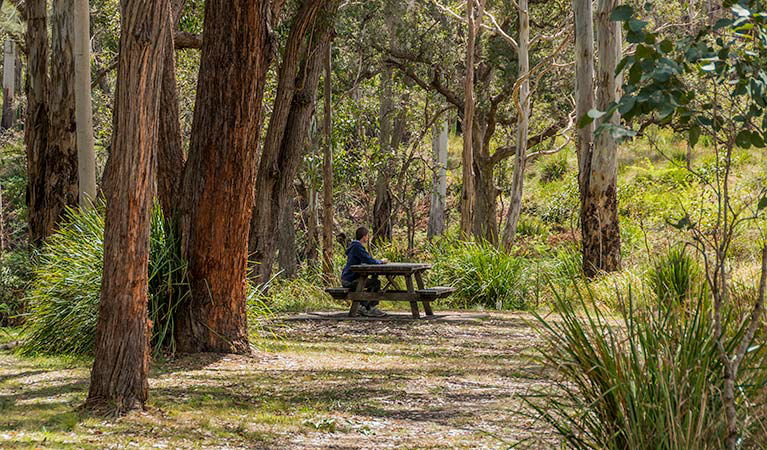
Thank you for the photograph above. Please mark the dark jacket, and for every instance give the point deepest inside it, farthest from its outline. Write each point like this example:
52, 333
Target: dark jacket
356, 254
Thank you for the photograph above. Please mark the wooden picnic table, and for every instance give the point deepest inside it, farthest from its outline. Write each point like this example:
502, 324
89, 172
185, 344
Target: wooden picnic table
390, 290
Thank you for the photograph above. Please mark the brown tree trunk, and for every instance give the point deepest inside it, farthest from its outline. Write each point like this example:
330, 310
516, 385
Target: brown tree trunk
287, 134
3, 239
121, 364
286, 240
327, 176
485, 201
439, 180
41, 220
220, 173
599, 209
170, 153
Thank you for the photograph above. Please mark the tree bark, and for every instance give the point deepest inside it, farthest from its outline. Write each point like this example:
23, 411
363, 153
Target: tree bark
120, 368
286, 136
286, 240
485, 198
523, 124
327, 176
10, 54
170, 152
382, 205
86, 155
220, 174
599, 208
439, 181
3, 238
62, 137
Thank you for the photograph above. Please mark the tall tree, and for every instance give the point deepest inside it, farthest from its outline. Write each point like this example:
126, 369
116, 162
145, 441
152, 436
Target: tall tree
220, 173
287, 134
327, 173
10, 55
121, 364
170, 153
598, 164
473, 22
86, 155
439, 184
522, 102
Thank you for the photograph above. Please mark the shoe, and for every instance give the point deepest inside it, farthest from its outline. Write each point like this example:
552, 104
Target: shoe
372, 312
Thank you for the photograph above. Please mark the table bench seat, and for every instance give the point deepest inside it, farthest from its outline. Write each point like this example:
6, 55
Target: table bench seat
338, 293
434, 293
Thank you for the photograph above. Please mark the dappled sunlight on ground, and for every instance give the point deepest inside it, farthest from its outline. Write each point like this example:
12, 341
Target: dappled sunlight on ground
315, 382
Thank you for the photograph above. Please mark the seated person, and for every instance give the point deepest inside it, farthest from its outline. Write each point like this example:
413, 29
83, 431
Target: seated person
356, 254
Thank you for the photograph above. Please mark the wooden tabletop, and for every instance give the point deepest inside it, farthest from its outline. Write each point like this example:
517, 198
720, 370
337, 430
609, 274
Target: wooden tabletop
394, 268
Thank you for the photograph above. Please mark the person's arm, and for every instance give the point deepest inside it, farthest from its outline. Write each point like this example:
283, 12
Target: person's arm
365, 257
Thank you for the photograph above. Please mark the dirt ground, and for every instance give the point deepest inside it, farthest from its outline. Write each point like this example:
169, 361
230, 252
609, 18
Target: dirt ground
316, 381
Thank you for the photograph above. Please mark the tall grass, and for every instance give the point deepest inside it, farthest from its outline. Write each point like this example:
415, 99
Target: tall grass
64, 296
674, 275
650, 378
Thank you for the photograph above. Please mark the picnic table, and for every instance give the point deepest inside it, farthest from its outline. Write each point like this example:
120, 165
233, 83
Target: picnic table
390, 290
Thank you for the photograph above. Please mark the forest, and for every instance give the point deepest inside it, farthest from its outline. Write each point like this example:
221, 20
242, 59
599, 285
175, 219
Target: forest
383, 224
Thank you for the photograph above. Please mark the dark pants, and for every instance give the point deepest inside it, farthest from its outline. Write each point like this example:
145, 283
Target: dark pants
371, 285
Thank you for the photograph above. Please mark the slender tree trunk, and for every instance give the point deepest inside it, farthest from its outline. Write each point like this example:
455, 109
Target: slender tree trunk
382, 205
312, 227
10, 54
170, 152
485, 198
220, 174
287, 134
599, 215
327, 176
439, 183
523, 125
467, 193
121, 365
86, 155
3, 239
62, 137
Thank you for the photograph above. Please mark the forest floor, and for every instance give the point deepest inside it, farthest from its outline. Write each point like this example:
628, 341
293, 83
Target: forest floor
317, 381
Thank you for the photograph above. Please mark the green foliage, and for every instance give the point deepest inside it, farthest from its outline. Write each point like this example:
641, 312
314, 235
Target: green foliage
554, 169
64, 296
674, 276
485, 276
15, 275
651, 380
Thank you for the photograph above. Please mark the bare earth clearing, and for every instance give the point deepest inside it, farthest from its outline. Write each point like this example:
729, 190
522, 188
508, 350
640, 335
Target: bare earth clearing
317, 382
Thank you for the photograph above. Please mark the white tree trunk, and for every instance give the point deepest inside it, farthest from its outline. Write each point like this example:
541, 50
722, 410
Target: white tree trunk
523, 125
9, 83
467, 194
86, 156
439, 187
599, 207
2, 223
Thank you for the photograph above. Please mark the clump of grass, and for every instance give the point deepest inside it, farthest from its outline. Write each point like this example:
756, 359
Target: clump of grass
674, 275
15, 275
485, 276
64, 296
649, 379
554, 169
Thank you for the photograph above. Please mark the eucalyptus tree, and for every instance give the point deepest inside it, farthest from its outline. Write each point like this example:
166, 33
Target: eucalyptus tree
10, 55
429, 59
86, 156
121, 365
220, 172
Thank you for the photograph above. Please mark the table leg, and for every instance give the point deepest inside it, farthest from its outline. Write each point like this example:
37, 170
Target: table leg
426, 303
354, 311
411, 290
414, 310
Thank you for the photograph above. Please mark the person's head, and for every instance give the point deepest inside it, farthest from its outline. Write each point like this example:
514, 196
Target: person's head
361, 234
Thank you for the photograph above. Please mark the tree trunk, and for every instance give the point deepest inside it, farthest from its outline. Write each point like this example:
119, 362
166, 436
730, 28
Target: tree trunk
311, 252
485, 199
3, 239
121, 365
439, 184
467, 192
327, 176
62, 137
599, 214
220, 174
86, 155
286, 137
170, 153
286, 240
382, 205
10, 54
523, 119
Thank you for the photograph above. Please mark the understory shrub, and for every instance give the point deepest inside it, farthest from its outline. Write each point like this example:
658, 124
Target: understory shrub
554, 169
485, 276
650, 378
673, 275
64, 296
